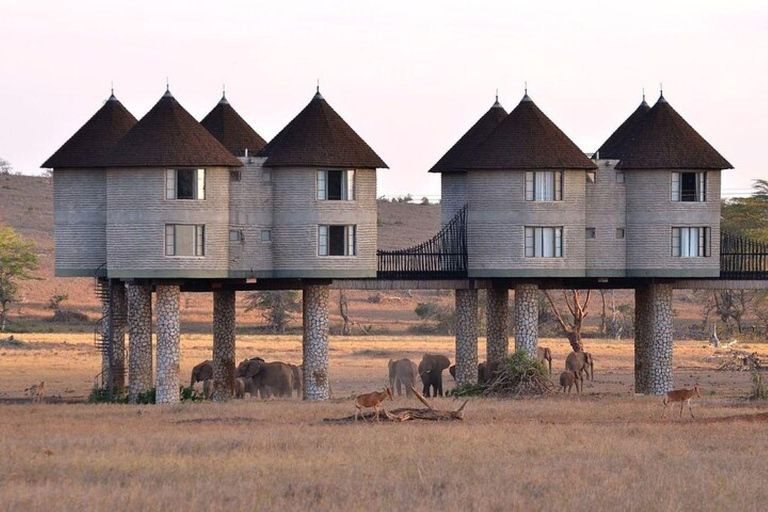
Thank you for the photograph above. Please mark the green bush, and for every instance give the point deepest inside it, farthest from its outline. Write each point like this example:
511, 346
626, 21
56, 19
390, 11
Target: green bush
120, 396
516, 375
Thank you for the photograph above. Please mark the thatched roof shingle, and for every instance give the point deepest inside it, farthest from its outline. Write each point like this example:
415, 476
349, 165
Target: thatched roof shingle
224, 123
664, 140
319, 137
168, 136
526, 139
625, 134
469, 141
87, 147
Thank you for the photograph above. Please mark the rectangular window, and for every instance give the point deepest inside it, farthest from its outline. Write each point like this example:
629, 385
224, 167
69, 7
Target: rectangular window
620, 233
337, 240
235, 176
266, 175
544, 186
185, 183
689, 187
691, 242
620, 177
266, 235
591, 176
336, 185
591, 234
235, 235
543, 242
184, 240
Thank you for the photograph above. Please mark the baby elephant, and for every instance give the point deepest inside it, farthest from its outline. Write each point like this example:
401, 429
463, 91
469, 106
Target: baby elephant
567, 380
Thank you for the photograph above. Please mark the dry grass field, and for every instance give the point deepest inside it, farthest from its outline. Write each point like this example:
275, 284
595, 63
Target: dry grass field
604, 450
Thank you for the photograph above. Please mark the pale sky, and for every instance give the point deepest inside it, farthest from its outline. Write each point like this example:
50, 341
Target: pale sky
409, 77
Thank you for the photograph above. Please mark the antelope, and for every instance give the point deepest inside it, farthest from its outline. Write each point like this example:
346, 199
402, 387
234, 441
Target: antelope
374, 400
36, 392
682, 396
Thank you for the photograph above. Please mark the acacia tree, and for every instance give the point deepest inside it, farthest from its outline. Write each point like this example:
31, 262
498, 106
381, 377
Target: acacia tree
17, 259
577, 305
277, 308
5, 166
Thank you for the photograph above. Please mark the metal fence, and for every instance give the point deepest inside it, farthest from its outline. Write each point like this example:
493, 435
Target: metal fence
742, 258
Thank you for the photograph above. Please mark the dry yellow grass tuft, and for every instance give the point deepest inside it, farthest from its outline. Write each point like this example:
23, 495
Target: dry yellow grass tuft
604, 450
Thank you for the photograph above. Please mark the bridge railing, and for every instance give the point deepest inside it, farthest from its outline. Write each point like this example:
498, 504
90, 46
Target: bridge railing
742, 258
442, 257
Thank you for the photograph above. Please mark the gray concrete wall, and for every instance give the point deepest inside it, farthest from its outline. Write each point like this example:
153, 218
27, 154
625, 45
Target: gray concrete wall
499, 213
606, 202
137, 212
453, 194
250, 211
297, 214
80, 215
650, 218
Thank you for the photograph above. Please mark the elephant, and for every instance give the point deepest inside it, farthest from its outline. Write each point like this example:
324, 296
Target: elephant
431, 372
267, 378
201, 372
545, 354
483, 376
208, 389
581, 362
403, 372
570, 378
242, 386
298, 379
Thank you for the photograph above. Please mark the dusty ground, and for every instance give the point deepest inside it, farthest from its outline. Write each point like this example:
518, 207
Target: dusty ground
604, 450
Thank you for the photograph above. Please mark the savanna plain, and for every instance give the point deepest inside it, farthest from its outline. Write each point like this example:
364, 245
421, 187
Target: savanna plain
606, 449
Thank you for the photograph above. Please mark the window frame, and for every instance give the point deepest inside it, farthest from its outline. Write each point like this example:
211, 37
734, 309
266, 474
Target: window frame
348, 185
621, 233
620, 178
676, 193
199, 236
703, 245
268, 239
235, 175
172, 184
239, 237
534, 242
324, 241
593, 175
558, 185
590, 233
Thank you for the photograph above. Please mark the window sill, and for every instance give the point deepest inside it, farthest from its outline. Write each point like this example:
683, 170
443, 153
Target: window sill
185, 257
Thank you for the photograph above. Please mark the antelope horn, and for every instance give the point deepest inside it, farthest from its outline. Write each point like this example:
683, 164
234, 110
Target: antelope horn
463, 405
421, 398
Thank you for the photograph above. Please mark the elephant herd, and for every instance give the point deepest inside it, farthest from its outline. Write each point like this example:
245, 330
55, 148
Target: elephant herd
404, 372
255, 377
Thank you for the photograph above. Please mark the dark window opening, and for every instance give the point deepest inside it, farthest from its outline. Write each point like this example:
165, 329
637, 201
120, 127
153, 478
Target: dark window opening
185, 184
688, 186
336, 240
335, 185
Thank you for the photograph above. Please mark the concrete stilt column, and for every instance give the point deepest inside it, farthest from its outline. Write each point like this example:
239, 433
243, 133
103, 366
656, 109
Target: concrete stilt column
139, 299
167, 391
117, 312
466, 337
315, 344
497, 313
527, 318
223, 344
654, 364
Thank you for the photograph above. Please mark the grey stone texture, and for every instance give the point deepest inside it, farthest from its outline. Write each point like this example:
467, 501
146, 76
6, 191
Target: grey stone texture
115, 318
80, 218
653, 339
315, 343
497, 329
453, 195
466, 337
527, 318
298, 212
607, 210
137, 212
139, 298
250, 211
168, 331
224, 323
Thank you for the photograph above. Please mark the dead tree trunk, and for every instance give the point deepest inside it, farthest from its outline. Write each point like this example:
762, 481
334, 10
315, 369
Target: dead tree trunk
578, 311
346, 328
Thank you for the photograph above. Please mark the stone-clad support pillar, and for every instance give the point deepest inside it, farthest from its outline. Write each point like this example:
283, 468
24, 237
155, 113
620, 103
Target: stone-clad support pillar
167, 390
496, 315
466, 337
527, 318
223, 344
114, 315
653, 344
139, 299
315, 344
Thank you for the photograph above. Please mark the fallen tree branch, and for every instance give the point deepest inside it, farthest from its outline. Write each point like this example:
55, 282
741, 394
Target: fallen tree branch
408, 413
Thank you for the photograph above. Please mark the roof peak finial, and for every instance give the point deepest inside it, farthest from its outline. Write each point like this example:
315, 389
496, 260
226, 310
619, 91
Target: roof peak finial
112, 91
496, 103
167, 89
662, 99
223, 100
318, 96
525, 96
